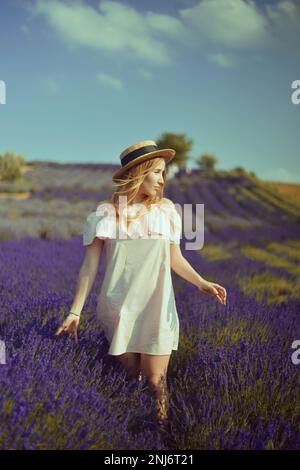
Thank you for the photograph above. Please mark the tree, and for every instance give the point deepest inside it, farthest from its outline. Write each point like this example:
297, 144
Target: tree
239, 169
178, 142
207, 162
11, 166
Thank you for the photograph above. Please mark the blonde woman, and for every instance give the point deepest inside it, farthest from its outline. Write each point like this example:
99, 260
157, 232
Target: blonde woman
140, 230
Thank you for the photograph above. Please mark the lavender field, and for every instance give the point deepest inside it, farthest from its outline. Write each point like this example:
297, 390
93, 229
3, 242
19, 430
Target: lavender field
232, 381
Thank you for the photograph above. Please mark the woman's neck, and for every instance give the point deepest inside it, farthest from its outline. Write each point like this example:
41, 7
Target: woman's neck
138, 200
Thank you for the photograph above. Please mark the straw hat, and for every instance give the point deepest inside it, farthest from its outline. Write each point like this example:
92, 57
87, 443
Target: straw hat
139, 152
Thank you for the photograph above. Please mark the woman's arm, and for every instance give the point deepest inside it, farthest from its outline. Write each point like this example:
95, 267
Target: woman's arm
183, 268
87, 274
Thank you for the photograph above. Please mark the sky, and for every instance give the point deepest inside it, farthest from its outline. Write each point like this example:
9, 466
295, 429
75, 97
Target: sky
80, 81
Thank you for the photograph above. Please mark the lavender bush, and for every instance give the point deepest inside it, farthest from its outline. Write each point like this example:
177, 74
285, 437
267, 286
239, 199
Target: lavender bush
232, 381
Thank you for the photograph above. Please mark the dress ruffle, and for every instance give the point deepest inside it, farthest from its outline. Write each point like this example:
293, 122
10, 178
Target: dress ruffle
161, 221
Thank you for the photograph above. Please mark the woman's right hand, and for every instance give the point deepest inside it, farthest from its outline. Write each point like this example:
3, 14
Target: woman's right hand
69, 326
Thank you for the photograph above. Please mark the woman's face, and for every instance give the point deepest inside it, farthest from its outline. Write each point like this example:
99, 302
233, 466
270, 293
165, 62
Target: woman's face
153, 180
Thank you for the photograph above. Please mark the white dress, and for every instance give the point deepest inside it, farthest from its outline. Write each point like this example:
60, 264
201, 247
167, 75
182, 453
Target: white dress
136, 304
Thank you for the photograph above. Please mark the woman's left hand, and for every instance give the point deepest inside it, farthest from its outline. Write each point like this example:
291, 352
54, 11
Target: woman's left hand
215, 290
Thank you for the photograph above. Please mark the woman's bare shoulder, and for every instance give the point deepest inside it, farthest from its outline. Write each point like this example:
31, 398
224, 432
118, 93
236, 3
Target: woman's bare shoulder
104, 201
165, 200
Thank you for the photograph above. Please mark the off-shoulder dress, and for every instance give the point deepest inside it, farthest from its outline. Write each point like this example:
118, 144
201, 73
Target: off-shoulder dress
136, 304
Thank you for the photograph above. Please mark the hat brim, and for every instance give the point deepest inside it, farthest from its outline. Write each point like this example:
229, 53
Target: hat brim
167, 154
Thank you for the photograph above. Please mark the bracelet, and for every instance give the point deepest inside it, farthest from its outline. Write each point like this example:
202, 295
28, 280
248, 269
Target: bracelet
74, 314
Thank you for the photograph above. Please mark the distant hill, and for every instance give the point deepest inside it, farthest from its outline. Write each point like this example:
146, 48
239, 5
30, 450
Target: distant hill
52, 200
292, 190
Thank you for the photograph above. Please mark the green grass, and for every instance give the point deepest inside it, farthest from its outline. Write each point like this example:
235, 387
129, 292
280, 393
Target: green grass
266, 287
213, 252
233, 332
246, 193
278, 201
270, 259
289, 249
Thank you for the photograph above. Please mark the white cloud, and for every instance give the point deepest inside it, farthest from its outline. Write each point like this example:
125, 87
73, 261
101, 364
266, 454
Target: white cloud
24, 28
231, 26
280, 175
145, 73
50, 85
243, 24
231, 23
116, 28
284, 18
223, 60
109, 80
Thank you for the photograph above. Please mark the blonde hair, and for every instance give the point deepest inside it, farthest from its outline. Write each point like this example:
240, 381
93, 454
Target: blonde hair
131, 182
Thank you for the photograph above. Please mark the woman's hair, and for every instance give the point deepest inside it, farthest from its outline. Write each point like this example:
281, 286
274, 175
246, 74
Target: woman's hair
130, 184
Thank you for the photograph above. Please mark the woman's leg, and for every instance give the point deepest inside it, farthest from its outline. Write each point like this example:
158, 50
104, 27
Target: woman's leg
155, 368
131, 362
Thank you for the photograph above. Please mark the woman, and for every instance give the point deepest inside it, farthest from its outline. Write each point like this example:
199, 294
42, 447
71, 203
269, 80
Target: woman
136, 305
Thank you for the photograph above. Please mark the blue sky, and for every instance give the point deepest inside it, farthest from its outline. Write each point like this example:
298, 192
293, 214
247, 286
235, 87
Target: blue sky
86, 79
